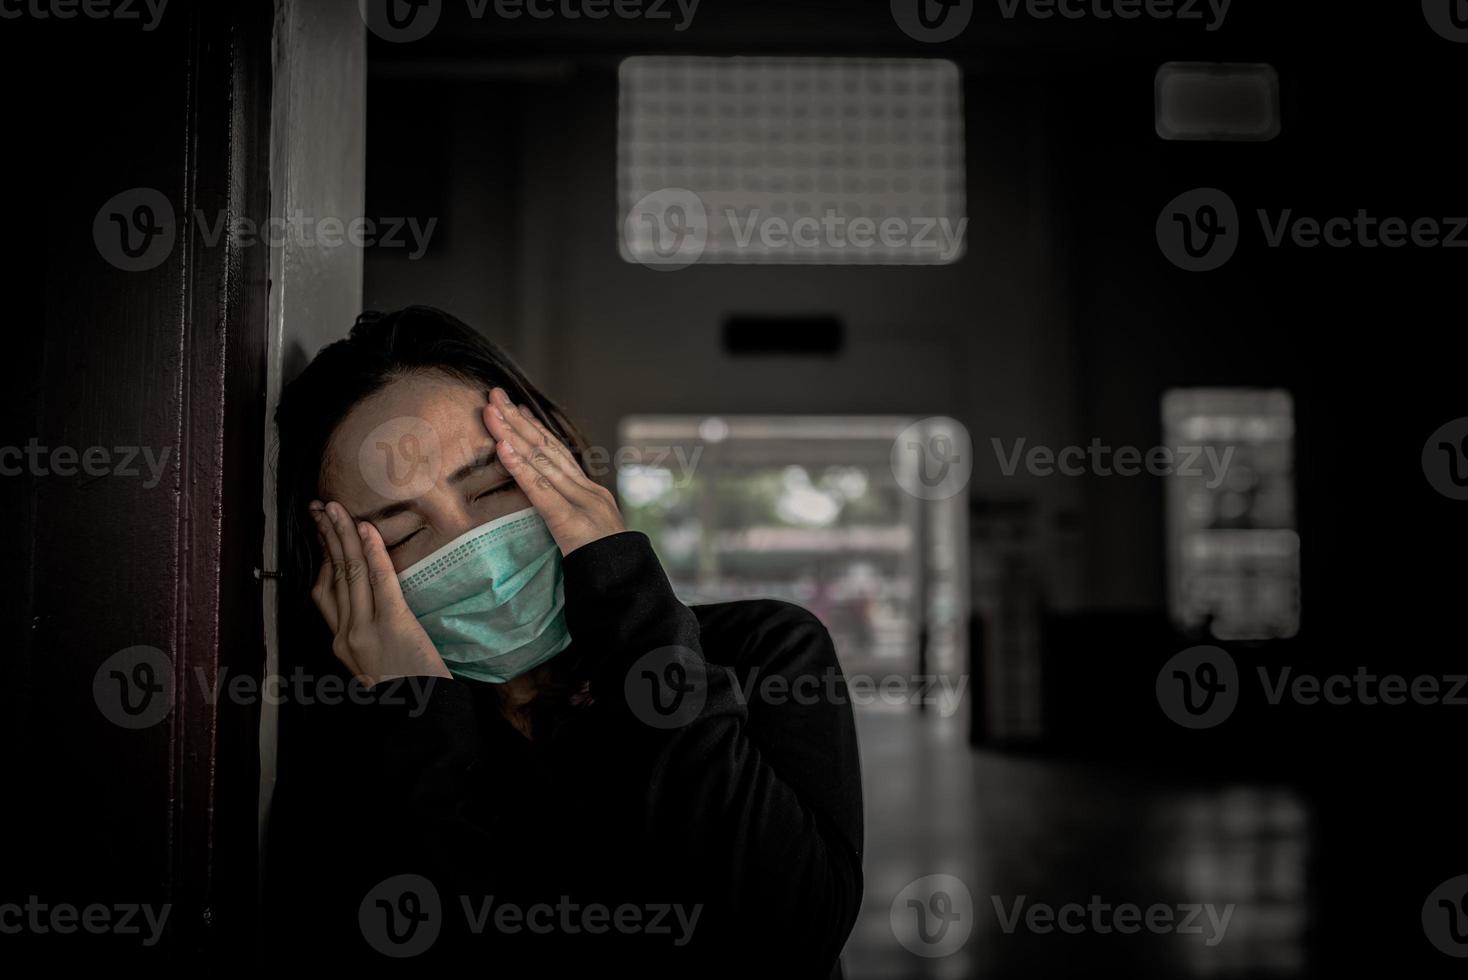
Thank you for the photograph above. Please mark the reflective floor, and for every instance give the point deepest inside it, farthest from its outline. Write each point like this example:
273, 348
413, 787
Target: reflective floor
1071, 867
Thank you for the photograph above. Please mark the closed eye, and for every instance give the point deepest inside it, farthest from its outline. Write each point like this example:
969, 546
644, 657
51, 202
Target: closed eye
402, 541
501, 488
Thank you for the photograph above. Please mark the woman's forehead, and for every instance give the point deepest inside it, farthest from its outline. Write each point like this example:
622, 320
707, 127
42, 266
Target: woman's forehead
400, 440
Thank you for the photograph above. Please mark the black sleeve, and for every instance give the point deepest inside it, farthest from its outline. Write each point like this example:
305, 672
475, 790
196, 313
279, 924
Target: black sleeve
756, 789
373, 785
766, 817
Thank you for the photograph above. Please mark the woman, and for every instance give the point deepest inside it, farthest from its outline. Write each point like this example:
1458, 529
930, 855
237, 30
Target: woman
554, 762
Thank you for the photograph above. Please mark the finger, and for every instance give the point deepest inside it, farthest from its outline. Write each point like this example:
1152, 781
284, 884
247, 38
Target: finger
335, 593
597, 494
323, 596
541, 489
339, 570
321, 589
545, 469
559, 451
543, 466
358, 591
387, 592
529, 428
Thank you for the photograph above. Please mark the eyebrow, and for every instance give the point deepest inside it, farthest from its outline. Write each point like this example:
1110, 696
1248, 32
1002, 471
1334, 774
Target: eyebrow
483, 459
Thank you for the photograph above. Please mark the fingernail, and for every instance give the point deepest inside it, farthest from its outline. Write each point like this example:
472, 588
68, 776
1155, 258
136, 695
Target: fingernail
362, 529
506, 448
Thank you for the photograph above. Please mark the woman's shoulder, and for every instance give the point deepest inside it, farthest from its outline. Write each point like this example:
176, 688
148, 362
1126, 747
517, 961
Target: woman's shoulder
772, 635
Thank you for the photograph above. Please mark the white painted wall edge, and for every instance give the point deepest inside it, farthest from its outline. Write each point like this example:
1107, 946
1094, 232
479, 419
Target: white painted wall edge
318, 158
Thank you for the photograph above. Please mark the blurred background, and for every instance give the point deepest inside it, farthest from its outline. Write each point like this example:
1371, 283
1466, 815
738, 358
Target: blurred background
1092, 370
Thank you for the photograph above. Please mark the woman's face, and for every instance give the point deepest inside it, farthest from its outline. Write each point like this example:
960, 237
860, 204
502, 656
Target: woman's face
416, 461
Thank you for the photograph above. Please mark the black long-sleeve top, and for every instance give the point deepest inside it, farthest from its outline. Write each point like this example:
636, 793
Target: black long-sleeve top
710, 804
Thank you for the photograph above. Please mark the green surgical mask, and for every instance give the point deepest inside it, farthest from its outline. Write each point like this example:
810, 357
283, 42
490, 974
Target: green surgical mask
492, 600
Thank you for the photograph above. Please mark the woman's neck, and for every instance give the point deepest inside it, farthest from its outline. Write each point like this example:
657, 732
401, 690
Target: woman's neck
518, 694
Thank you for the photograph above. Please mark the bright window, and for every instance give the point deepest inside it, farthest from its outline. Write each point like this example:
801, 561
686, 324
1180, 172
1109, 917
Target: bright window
1234, 553
809, 510
791, 160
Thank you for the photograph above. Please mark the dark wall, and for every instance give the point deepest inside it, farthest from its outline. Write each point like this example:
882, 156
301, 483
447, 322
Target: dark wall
147, 361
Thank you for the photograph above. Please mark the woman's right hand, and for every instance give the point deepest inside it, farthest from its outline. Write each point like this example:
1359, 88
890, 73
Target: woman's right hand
374, 632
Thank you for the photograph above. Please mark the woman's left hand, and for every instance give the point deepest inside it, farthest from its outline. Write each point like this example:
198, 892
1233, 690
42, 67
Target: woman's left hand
577, 510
